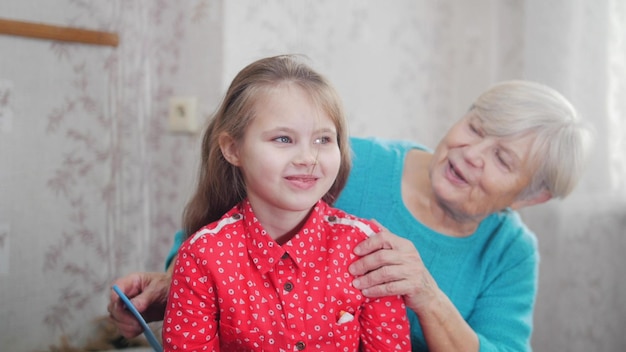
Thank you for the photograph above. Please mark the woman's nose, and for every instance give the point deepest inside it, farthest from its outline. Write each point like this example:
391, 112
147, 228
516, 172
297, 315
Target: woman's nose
475, 153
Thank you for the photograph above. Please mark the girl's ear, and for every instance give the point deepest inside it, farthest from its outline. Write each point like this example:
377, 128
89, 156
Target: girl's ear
229, 149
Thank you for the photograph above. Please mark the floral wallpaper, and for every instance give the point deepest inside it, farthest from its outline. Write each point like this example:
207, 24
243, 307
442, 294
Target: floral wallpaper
96, 182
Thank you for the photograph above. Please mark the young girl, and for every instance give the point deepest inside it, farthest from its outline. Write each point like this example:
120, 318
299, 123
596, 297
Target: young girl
270, 270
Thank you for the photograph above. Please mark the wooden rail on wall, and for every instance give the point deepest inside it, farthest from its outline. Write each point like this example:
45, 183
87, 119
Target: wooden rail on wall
66, 34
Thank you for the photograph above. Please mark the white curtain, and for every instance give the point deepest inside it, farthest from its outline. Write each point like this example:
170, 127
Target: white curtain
617, 95
570, 45
578, 47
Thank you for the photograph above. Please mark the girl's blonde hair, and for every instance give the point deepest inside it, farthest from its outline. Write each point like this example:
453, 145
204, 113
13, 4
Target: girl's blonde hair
220, 184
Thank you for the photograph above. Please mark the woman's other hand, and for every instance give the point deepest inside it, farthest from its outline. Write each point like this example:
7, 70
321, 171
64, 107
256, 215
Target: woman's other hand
148, 292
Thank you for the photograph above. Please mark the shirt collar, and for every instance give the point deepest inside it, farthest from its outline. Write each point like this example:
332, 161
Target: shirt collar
265, 252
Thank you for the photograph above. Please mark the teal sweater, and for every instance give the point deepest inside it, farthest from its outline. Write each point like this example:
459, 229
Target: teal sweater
490, 276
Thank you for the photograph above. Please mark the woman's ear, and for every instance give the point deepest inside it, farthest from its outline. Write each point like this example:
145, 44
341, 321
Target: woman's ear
538, 198
229, 148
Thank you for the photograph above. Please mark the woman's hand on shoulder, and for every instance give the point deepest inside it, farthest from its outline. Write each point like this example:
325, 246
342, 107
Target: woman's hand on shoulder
391, 265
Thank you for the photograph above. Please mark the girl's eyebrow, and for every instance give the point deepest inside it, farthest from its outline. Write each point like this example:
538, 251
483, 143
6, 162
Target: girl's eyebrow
282, 128
293, 130
277, 130
326, 129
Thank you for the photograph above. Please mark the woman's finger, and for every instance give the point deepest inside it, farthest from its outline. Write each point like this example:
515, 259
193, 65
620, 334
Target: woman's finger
393, 288
379, 274
373, 243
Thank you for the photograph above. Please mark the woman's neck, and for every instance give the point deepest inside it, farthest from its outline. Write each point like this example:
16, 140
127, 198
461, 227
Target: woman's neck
422, 203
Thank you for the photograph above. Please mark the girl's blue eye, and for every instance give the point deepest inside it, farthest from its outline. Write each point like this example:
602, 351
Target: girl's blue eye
283, 139
322, 140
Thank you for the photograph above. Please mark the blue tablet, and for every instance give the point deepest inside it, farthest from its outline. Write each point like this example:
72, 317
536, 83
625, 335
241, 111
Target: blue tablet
146, 329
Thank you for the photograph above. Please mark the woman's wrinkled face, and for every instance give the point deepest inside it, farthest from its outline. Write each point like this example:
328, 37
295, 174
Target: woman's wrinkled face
474, 174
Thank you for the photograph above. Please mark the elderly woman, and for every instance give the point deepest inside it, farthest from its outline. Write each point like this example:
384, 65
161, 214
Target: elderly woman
453, 247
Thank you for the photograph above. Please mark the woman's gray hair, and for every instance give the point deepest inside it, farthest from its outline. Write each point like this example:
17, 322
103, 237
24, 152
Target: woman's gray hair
562, 142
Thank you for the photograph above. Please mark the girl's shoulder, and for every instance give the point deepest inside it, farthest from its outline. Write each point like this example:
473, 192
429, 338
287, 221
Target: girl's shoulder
217, 230
341, 220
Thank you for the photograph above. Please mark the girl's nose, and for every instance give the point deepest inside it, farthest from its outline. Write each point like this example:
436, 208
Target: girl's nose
307, 156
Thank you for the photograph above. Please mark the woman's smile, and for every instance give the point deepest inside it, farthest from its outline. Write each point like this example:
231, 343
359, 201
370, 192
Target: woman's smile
455, 175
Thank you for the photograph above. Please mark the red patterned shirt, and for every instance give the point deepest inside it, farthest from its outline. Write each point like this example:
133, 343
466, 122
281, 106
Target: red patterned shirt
236, 289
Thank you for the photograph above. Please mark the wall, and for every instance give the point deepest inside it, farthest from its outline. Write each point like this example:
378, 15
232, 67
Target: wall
92, 183
581, 304
405, 69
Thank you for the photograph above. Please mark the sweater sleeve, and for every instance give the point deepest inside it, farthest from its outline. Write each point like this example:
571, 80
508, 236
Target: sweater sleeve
503, 313
179, 238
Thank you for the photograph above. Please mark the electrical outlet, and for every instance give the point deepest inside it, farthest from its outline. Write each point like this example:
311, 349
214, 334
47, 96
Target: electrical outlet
182, 114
